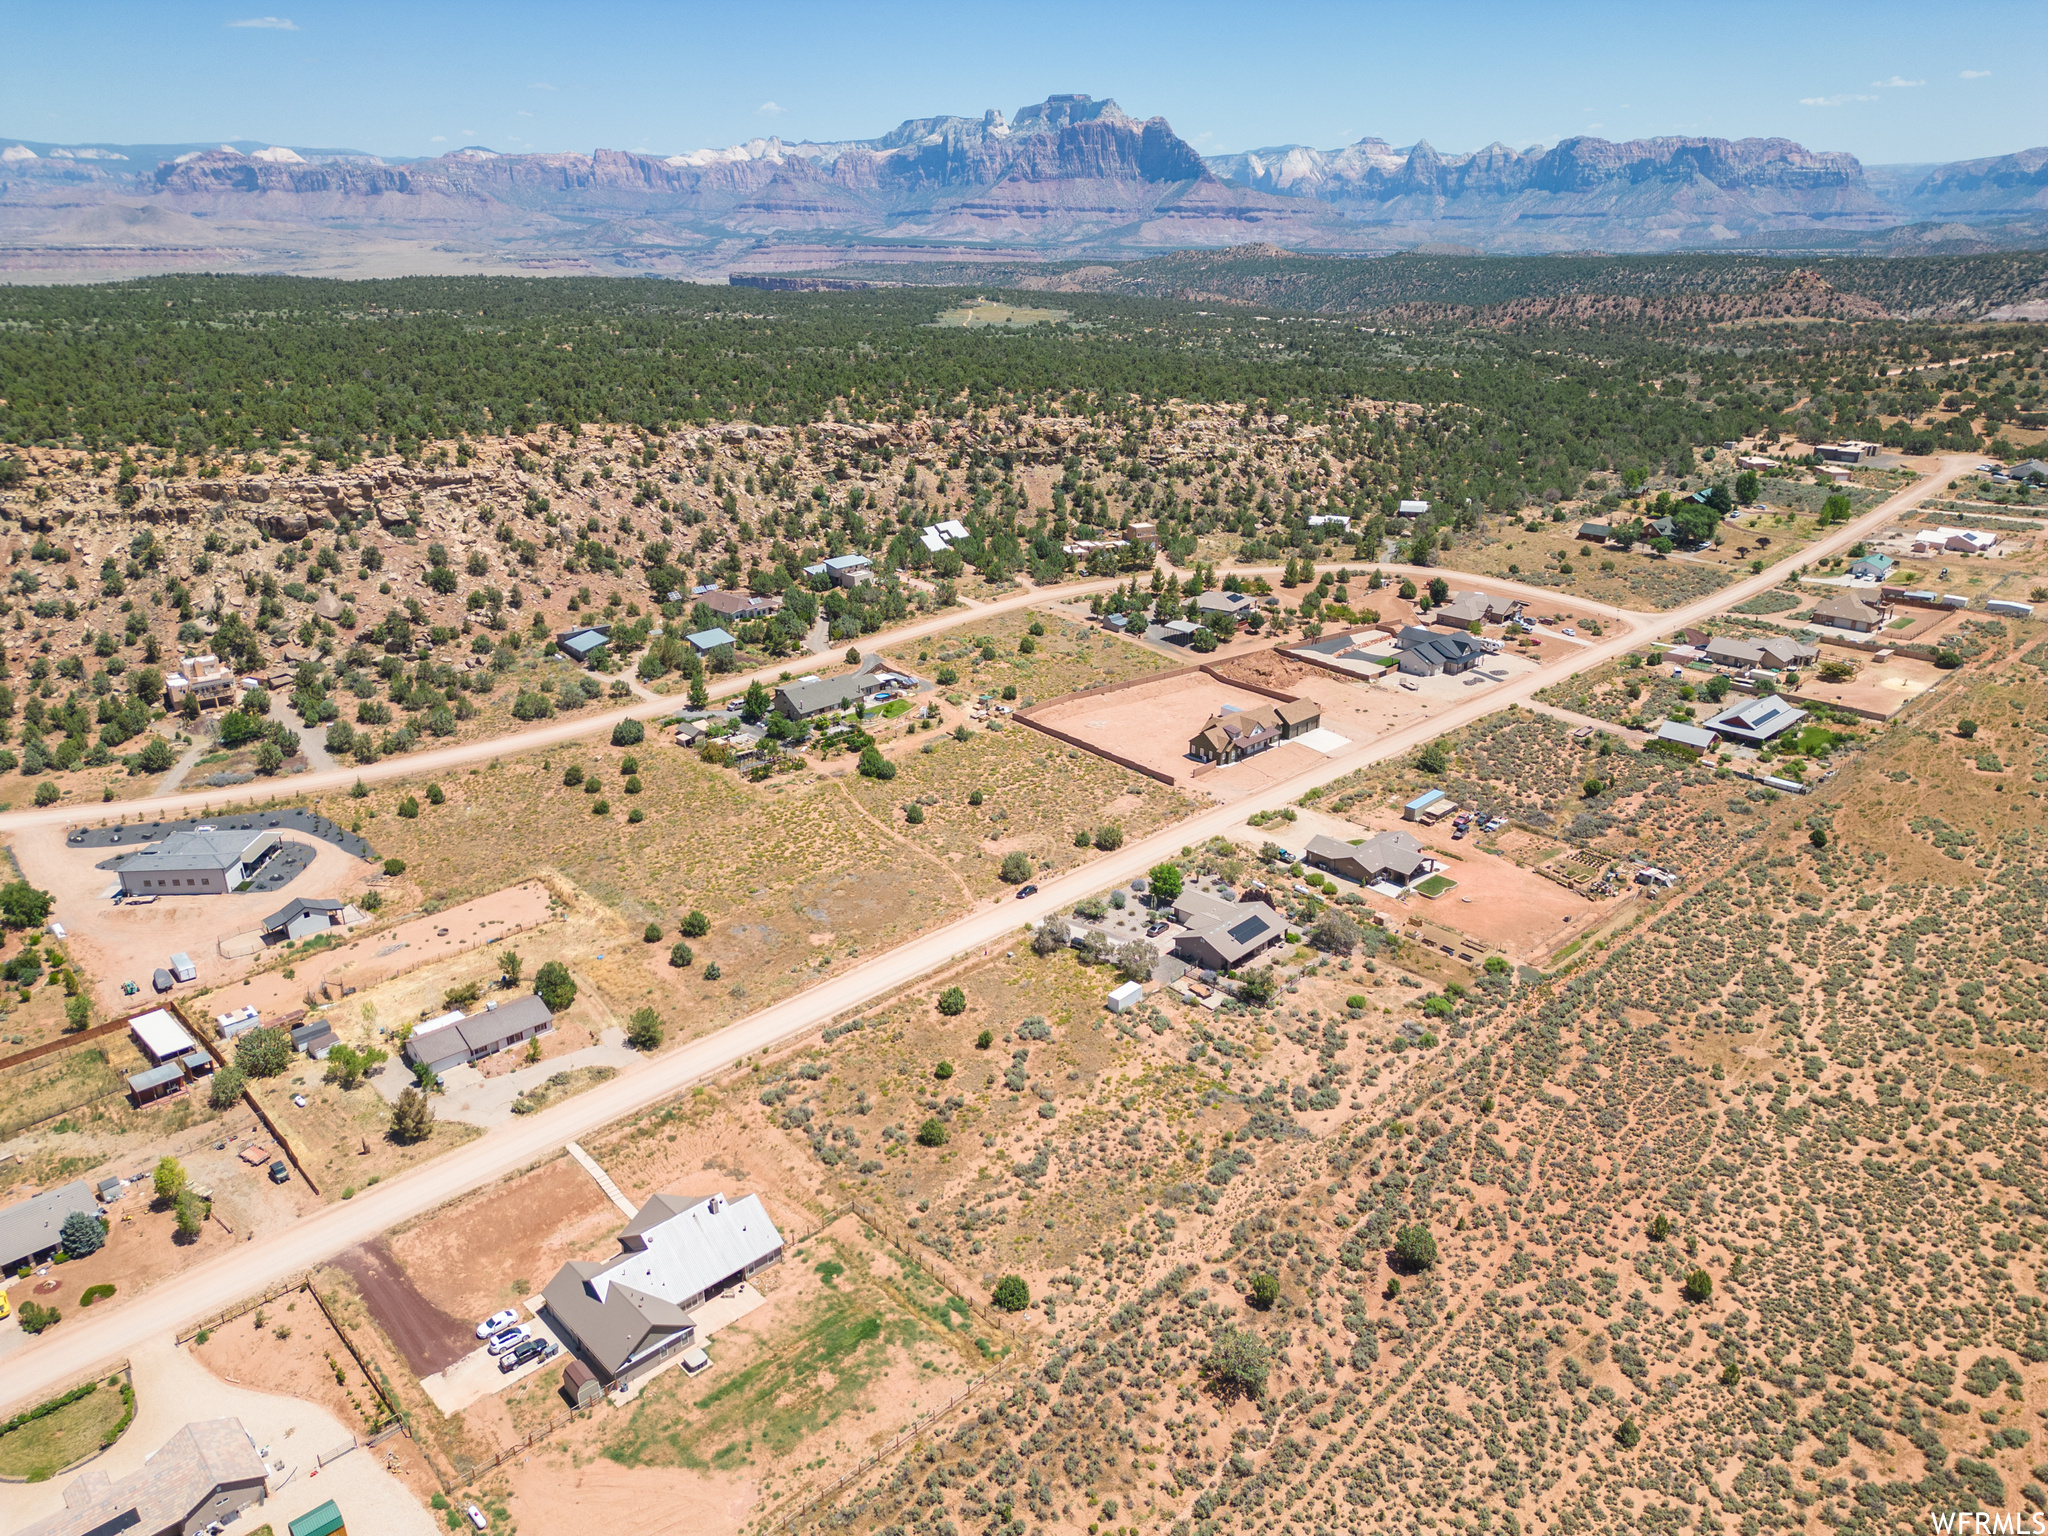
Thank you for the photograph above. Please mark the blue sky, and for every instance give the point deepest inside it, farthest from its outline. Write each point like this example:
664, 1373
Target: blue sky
1888, 82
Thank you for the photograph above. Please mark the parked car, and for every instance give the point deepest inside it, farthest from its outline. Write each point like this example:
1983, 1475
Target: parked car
496, 1321
1026, 890
1155, 930
476, 1517
1458, 832
279, 1173
525, 1350
507, 1338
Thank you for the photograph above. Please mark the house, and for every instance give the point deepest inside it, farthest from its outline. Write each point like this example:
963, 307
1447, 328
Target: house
941, 536
582, 645
453, 1040
632, 1313
1393, 856
1238, 733
1776, 652
1124, 998
1595, 533
1755, 461
741, 606
194, 863
1848, 610
204, 1476
32, 1229
156, 1083
1465, 609
1872, 567
1413, 508
1660, 528
1329, 520
1834, 474
810, 696
1223, 935
160, 1036
1687, 738
1961, 541
301, 918
1143, 533
1849, 451
1424, 654
1429, 806
1236, 604
1755, 721
204, 678
2032, 469
690, 733
844, 570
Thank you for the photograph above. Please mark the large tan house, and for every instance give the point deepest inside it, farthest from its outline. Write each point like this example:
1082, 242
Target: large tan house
1238, 733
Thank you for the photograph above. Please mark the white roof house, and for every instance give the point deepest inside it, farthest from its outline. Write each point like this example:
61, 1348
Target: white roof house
933, 540
161, 1036
1414, 508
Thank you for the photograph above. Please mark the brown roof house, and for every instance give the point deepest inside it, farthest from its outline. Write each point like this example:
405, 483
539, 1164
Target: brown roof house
1237, 733
205, 1474
1224, 934
1468, 608
740, 605
1848, 610
631, 1314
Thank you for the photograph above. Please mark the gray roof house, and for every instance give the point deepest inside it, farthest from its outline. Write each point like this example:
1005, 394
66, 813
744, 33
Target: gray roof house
204, 1475
1425, 653
582, 644
302, 917
455, 1040
1394, 856
821, 695
1223, 934
1755, 721
29, 1228
632, 1313
1468, 608
844, 570
1218, 601
1776, 652
707, 640
197, 863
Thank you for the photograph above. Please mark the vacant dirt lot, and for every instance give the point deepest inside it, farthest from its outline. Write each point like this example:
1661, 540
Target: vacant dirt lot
1882, 688
430, 1338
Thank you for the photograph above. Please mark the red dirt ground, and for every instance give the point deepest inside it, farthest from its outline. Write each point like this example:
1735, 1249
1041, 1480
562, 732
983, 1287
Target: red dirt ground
430, 1339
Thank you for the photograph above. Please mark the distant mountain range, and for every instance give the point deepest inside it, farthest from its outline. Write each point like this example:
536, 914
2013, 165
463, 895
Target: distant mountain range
1068, 176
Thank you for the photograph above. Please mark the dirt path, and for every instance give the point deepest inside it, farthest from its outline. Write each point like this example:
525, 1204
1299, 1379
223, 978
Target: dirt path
82, 1343
429, 1338
890, 833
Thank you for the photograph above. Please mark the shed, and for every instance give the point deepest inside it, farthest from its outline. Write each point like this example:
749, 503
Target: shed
2009, 608
1413, 508
160, 1035
183, 968
322, 1521
156, 1083
302, 917
1687, 738
110, 1190
1422, 805
1124, 998
580, 1384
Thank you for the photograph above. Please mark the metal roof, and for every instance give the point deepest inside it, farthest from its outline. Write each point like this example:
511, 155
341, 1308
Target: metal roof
160, 1034
31, 1225
711, 639
156, 1077
201, 850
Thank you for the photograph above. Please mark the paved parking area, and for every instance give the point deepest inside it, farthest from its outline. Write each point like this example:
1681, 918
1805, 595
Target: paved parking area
476, 1374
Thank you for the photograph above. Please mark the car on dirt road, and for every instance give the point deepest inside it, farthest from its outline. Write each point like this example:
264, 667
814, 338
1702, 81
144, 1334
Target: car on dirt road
1026, 890
495, 1322
507, 1339
525, 1350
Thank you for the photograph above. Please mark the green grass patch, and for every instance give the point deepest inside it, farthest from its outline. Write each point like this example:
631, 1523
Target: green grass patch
1902, 623
1436, 885
895, 707
43, 1447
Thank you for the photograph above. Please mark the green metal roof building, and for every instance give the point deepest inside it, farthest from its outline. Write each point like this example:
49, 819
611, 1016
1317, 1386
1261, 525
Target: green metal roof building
324, 1521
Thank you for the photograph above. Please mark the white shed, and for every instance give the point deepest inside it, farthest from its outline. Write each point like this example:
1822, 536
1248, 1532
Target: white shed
1125, 998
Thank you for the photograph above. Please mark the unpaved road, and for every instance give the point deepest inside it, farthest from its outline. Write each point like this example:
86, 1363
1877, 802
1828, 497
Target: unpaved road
80, 1345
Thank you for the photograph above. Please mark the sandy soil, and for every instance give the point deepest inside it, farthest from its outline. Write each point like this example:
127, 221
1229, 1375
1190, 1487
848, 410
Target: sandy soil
1879, 687
115, 944
502, 1246
303, 1364
430, 1338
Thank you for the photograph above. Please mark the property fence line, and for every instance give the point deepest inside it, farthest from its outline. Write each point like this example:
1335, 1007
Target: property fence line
126, 1372
14, 1128
1092, 748
62, 1042
241, 1308
393, 1414
1210, 668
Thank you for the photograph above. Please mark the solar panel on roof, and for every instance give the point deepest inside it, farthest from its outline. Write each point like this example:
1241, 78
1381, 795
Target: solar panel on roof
1248, 930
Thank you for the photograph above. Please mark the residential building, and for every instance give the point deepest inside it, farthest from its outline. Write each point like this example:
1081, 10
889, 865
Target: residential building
1775, 652
32, 1229
941, 536
301, 918
1960, 541
204, 1476
632, 1313
1755, 721
811, 696
1595, 533
1238, 733
197, 863
1223, 935
1755, 461
1468, 608
1393, 856
204, 678
1235, 604
1687, 737
1427, 654
1330, 520
455, 1040
1873, 567
1413, 508
1143, 533
738, 607
2032, 469
1849, 451
1849, 610
581, 645
844, 570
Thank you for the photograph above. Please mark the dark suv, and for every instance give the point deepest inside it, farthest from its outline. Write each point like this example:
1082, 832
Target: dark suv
525, 1350
279, 1173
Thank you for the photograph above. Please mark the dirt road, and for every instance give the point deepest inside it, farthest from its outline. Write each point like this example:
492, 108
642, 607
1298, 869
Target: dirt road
80, 1344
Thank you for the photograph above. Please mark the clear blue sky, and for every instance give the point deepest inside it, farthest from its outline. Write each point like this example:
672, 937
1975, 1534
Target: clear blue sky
1886, 81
